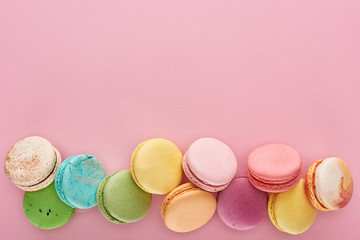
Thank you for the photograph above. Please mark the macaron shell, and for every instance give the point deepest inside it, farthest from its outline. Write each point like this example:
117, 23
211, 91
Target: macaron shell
274, 167
271, 212
45, 210
156, 166
30, 161
58, 182
187, 209
310, 187
211, 161
177, 191
201, 184
333, 183
274, 163
291, 211
47, 181
77, 180
122, 200
241, 206
100, 200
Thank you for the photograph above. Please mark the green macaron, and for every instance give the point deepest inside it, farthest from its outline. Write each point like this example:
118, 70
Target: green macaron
45, 210
120, 200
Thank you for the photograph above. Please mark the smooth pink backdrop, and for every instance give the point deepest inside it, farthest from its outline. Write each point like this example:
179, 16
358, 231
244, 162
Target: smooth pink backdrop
100, 76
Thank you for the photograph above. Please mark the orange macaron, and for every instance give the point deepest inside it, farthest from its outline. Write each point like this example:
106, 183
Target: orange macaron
187, 208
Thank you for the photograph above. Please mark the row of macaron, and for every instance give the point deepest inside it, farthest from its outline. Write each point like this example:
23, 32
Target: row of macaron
55, 188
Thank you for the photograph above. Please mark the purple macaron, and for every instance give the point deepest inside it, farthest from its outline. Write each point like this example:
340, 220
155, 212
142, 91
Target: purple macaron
241, 206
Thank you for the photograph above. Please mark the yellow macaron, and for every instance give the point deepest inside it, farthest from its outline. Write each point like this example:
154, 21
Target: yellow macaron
291, 211
156, 166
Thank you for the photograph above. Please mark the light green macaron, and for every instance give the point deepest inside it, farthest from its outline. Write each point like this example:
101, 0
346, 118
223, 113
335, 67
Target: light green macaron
120, 200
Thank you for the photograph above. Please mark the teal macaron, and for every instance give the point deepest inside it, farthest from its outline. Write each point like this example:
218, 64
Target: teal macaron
77, 180
120, 200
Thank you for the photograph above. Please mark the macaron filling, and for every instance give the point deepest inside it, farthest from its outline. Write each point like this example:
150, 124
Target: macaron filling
310, 179
274, 181
274, 186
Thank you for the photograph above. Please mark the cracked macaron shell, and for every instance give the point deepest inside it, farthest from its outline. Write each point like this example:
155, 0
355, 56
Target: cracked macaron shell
120, 200
45, 210
31, 164
187, 208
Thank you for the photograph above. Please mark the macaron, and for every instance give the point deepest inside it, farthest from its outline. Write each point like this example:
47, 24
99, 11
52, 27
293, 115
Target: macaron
274, 167
120, 200
209, 164
291, 211
187, 208
329, 184
156, 166
45, 210
77, 180
241, 206
31, 163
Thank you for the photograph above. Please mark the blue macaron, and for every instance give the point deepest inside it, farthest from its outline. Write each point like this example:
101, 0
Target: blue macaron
77, 180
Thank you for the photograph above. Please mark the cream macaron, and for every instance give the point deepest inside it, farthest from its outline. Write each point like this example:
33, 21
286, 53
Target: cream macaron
329, 184
31, 163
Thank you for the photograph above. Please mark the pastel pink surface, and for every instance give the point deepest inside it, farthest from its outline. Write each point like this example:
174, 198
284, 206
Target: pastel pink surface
99, 77
210, 163
241, 206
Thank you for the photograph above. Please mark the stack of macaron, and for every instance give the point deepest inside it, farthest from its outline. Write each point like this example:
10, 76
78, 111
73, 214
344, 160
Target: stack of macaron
273, 185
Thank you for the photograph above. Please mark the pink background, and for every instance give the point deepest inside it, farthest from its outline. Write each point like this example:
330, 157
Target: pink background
99, 77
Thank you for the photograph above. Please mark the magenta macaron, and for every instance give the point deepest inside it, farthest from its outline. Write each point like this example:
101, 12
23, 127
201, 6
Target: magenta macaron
241, 206
210, 164
274, 167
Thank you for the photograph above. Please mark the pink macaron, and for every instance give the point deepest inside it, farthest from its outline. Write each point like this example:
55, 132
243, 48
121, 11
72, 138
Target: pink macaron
241, 206
274, 167
210, 164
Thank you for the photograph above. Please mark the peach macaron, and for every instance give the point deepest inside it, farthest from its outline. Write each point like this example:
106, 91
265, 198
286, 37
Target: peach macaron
187, 208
